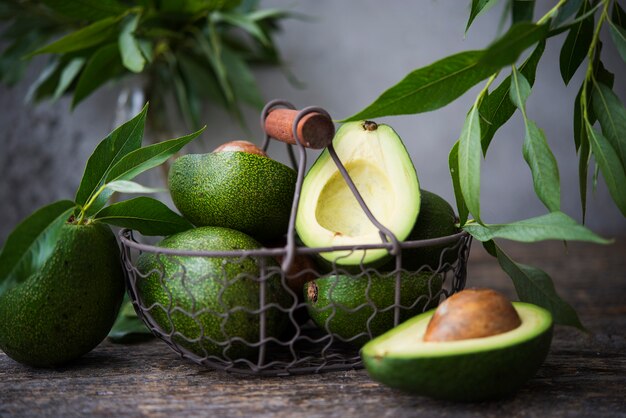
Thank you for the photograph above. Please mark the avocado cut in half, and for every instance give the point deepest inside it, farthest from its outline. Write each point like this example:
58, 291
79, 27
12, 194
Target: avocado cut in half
210, 305
358, 308
234, 189
67, 307
463, 370
381, 168
436, 219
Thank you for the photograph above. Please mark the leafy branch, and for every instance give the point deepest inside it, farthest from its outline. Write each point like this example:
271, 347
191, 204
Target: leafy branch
440, 83
194, 50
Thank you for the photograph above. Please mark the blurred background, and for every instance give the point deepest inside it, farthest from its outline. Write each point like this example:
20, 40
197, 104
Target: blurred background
343, 55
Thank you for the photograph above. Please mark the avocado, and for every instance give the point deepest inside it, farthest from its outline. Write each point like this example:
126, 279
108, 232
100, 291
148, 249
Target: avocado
234, 189
436, 219
344, 305
381, 168
472, 369
209, 304
66, 308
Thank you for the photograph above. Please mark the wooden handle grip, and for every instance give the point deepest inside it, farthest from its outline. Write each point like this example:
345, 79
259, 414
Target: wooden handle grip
315, 130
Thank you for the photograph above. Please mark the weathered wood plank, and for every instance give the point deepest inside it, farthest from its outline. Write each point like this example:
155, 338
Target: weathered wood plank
584, 375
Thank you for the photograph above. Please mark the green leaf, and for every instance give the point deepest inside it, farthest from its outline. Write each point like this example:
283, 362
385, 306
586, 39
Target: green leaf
144, 214
553, 226
496, 108
523, 10
140, 160
132, 58
68, 75
430, 87
612, 116
104, 65
469, 163
31, 243
570, 8
212, 52
86, 9
126, 186
201, 80
89, 36
244, 84
46, 83
453, 163
618, 34
584, 153
128, 328
535, 286
543, 167
478, 7
607, 159
507, 49
520, 89
124, 139
12, 62
244, 22
576, 45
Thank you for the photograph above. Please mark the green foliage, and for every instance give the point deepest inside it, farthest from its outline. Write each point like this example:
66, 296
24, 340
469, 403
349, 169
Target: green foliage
117, 159
176, 45
438, 84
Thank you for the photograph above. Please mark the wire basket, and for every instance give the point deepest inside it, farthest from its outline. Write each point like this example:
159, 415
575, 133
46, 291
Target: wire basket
254, 312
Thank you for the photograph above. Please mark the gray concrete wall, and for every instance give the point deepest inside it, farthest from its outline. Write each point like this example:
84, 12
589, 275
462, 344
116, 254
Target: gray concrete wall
346, 56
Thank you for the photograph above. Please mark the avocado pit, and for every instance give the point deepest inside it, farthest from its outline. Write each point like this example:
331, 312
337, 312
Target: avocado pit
472, 313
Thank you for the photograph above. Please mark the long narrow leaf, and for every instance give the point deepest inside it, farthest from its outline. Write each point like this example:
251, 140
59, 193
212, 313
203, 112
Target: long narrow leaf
68, 75
496, 108
94, 34
31, 243
104, 65
576, 45
612, 116
469, 162
124, 139
535, 286
453, 163
553, 226
618, 34
610, 165
144, 214
478, 7
430, 87
543, 167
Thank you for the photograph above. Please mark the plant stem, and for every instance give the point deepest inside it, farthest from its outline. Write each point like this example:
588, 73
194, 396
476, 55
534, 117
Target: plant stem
590, 59
84, 209
551, 12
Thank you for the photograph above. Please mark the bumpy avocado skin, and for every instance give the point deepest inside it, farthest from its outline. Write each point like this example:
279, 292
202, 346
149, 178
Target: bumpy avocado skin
342, 304
205, 302
233, 189
436, 219
68, 307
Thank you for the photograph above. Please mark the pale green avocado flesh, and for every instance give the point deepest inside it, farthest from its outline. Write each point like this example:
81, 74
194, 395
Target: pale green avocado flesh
382, 171
465, 370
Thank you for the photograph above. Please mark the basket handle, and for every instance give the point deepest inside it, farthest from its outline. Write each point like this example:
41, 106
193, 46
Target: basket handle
314, 130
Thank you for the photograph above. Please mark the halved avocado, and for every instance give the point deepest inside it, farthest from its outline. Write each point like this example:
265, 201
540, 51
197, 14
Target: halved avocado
381, 168
463, 370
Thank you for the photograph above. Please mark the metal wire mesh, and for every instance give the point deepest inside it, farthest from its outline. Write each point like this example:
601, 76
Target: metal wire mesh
253, 312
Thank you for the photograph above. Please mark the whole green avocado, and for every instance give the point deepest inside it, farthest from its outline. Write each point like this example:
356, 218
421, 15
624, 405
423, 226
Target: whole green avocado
208, 305
234, 189
68, 307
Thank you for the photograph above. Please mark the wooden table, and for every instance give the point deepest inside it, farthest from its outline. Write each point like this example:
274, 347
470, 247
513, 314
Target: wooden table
584, 375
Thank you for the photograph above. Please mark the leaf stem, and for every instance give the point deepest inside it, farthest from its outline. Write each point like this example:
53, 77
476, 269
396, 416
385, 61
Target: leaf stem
84, 209
551, 12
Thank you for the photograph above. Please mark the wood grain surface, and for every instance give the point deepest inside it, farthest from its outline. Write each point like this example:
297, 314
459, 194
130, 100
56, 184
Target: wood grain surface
584, 374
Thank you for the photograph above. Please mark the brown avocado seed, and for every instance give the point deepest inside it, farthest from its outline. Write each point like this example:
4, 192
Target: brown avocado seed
302, 270
472, 313
243, 146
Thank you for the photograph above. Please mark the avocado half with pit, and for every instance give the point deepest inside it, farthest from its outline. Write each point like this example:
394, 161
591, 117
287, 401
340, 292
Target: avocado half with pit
460, 370
382, 171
